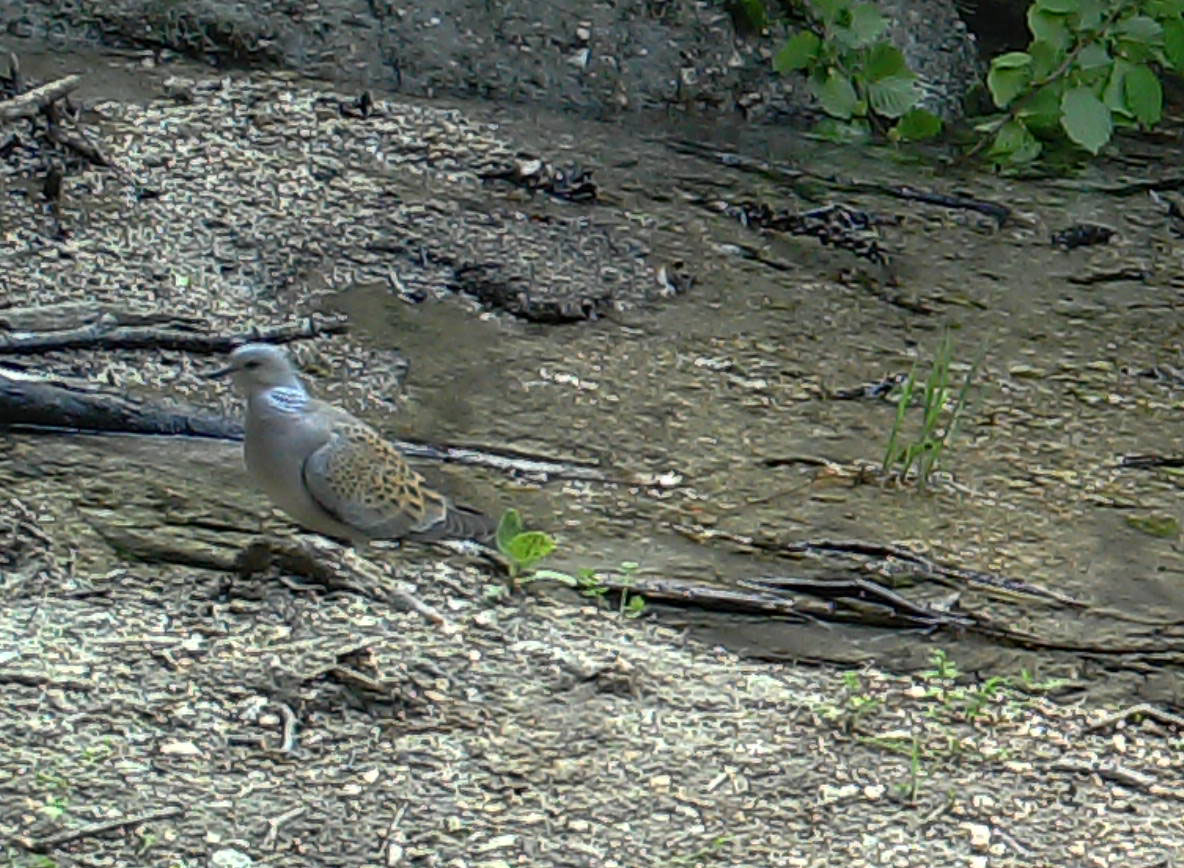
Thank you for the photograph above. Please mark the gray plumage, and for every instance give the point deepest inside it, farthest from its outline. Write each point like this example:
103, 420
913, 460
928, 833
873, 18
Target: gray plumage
330, 471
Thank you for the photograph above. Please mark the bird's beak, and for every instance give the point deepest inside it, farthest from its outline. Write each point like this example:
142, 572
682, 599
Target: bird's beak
221, 372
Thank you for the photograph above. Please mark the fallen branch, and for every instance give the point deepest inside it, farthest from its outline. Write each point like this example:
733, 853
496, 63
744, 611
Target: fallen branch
929, 569
274, 824
48, 406
1119, 774
1143, 708
844, 600
44, 845
933, 569
104, 335
335, 568
538, 467
76, 314
40, 679
30, 103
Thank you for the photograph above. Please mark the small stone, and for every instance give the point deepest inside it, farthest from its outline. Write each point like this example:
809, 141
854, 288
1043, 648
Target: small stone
498, 843
228, 857
980, 835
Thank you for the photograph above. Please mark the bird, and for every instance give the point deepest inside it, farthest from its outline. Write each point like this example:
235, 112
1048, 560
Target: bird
328, 470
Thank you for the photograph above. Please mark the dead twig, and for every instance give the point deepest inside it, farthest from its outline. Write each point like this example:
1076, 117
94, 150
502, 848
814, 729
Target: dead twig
44, 845
28, 104
274, 824
1144, 708
348, 673
288, 741
1119, 774
531, 465
394, 837
40, 679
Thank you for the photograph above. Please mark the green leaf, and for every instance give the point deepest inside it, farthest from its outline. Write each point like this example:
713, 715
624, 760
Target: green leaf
1144, 94
509, 527
867, 23
1042, 112
1085, 119
799, 52
836, 94
529, 548
1163, 526
1093, 55
1161, 9
1139, 38
1010, 76
1059, 7
892, 97
1090, 14
916, 126
1140, 28
1046, 57
1014, 144
851, 131
1012, 60
1173, 43
1051, 28
827, 11
884, 60
1114, 94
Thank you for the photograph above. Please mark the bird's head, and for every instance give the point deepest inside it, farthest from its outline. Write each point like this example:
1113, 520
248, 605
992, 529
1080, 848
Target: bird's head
256, 367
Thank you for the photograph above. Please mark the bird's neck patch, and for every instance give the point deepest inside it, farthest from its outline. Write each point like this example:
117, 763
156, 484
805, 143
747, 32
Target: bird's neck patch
286, 399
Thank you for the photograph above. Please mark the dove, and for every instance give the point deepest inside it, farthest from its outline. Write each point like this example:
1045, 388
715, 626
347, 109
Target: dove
330, 471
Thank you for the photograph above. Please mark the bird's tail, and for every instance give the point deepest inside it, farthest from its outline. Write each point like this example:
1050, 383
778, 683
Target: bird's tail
460, 522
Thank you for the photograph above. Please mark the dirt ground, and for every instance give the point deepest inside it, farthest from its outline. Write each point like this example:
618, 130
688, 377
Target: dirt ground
160, 709
265, 723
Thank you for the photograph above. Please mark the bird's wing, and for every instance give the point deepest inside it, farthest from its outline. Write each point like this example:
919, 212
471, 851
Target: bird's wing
365, 482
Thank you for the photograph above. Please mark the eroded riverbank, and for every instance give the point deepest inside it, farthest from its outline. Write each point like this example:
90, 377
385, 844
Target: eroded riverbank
273, 205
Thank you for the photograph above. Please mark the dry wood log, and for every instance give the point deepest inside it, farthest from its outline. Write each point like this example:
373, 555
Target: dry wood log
41, 404
109, 335
334, 567
844, 600
32, 102
54, 406
76, 314
80, 144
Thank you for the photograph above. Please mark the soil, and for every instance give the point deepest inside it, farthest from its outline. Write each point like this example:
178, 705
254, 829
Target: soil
606, 59
161, 708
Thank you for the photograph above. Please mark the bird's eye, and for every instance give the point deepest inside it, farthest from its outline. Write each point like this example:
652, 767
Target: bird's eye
251, 365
